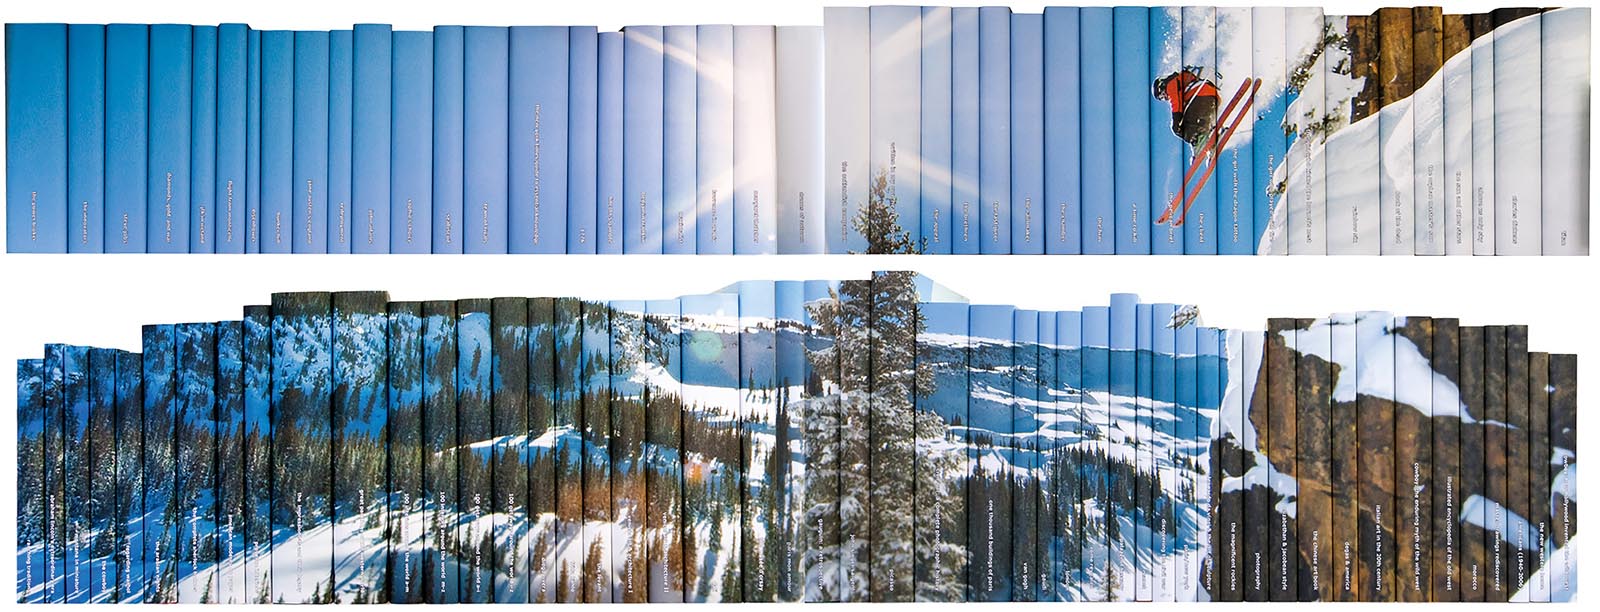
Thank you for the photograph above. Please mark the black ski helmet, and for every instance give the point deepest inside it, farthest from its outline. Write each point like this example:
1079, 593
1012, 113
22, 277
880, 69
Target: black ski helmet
1158, 87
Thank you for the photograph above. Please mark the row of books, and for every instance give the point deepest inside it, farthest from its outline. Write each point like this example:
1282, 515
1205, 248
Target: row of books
873, 439
889, 129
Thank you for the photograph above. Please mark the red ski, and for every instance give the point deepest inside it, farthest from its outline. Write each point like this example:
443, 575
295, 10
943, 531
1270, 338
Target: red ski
1210, 150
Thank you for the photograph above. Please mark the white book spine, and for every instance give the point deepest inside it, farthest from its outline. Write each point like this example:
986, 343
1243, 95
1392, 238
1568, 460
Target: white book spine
895, 94
1266, 28
801, 216
1516, 138
1483, 145
714, 138
755, 146
1458, 214
1564, 130
1306, 195
1428, 188
847, 141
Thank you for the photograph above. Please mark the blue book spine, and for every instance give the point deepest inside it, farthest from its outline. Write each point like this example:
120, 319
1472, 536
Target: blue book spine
990, 344
1024, 382
1027, 134
538, 129
1167, 162
371, 138
1199, 52
847, 139
31, 514
1099, 142
77, 377
159, 372
642, 64
800, 102
936, 126
277, 141
582, 106
167, 186
194, 462
1130, 41
484, 141
895, 123
257, 427
411, 144
448, 84
86, 138
1123, 567
203, 142
964, 134
1266, 29
252, 145
755, 147
232, 553
1235, 228
714, 139
341, 88
36, 138
1069, 406
678, 130
1062, 141
360, 415
308, 185
1143, 459
1096, 366
127, 144
608, 143
130, 507
994, 126
233, 90
302, 389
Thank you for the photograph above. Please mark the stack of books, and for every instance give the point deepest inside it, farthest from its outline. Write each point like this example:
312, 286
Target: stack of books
887, 129
871, 439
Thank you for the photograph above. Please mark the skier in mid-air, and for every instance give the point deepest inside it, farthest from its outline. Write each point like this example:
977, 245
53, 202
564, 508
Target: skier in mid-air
1194, 102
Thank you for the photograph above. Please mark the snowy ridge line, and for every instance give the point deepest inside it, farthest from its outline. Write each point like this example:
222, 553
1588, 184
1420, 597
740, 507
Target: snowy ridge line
790, 441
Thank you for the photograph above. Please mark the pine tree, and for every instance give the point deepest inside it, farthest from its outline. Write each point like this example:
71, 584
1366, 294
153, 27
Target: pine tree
878, 222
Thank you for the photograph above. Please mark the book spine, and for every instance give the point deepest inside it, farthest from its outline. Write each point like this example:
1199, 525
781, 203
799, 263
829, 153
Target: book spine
789, 461
598, 579
1095, 125
1375, 412
1146, 564
755, 161
1045, 466
711, 484
964, 134
1280, 447
360, 414
1166, 533
1564, 119
934, 131
449, 111
1193, 578
232, 553
127, 141
475, 528
309, 184
1269, 141
1063, 151
373, 148
1227, 524
203, 141
1340, 583
509, 463
608, 143
1351, 157
1518, 203
989, 487
1095, 582
757, 413
1538, 477
940, 566
679, 126
544, 490
538, 131
167, 184
85, 138
582, 105
1414, 463
800, 178
1445, 556
893, 351
847, 142
1564, 481
895, 95
1130, 120
1020, 456
628, 422
1123, 565
194, 462
405, 506
1027, 134
340, 224
1427, 103
77, 378
1069, 460
1235, 228
228, 193
277, 141
1168, 159
1314, 457
994, 125
1199, 54
54, 475
1306, 191
663, 432
484, 139
1256, 512
302, 376
36, 138
1456, 82
1518, 544
1495, 461
714, 138
31, 521
160, 363
1474, 480
568, 449
643, 63
251, 228
129, 495
442, 562
1483, 126
257, 453
410, 136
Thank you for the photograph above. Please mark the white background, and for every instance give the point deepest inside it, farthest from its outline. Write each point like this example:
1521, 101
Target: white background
103, 300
